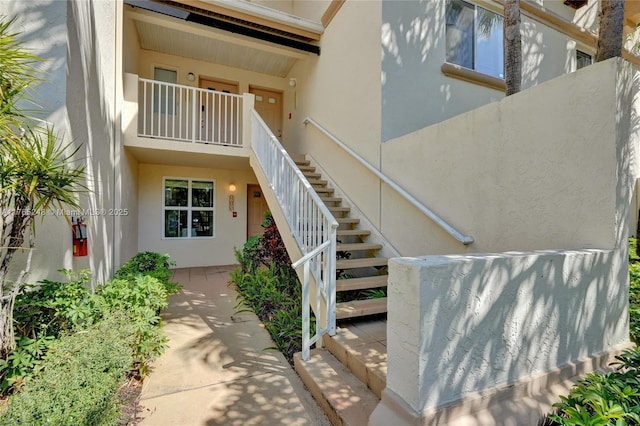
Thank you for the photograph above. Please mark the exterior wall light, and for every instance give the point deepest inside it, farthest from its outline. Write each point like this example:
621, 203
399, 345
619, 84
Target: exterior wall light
191, 76
292, 82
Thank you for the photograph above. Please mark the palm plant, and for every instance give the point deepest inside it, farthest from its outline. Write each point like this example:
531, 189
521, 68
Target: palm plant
36, 173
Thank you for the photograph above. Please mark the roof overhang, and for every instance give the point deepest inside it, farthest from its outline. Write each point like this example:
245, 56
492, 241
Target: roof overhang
164, 28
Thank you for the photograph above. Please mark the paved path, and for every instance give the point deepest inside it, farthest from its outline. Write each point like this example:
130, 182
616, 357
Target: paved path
215, 370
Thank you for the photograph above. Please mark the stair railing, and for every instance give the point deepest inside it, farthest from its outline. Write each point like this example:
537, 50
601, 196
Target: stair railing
464, 239
312, 226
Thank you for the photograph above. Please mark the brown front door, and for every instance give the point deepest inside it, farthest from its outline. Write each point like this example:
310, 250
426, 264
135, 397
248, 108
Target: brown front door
268, 104
256, 208
219, 113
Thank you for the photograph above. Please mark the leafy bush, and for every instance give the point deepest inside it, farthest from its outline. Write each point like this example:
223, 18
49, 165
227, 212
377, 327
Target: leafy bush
151, 264
53, 308
80, 377
268, 285
604, 399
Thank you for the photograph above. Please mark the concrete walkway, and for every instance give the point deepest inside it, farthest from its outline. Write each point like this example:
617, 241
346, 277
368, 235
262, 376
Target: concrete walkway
215, 370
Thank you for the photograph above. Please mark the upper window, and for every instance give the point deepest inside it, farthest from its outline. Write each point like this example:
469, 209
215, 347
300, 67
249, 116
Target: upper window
583, 59
189, 208
474, 38
163, 95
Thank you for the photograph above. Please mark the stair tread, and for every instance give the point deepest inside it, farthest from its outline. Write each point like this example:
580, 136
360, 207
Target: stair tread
356, 232
347, 220
318, 182
324, 190
358, 246
337, 209
301, 162
335, 388
307, 168
360, 308
312, 175
331, 199
361, 283
361, 263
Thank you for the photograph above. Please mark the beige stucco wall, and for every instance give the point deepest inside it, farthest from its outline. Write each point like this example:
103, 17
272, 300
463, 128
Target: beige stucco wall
78, 98
230, 232
148, 59
466, 328
340, 89
415, 93
519, 174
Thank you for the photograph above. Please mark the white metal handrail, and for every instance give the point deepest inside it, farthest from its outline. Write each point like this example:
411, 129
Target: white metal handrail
189, 114
312, 226
464, 239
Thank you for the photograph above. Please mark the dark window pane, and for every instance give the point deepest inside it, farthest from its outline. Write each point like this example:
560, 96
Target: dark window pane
202, 194
459, 33
202, 223
175, 223
582, 59
176, 193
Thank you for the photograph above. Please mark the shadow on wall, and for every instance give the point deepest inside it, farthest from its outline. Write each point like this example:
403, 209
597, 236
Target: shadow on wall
90, 106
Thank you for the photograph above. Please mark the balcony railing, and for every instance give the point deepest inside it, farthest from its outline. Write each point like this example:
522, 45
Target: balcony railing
185, 113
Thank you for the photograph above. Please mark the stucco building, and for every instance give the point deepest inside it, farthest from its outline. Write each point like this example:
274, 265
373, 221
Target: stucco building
398, 110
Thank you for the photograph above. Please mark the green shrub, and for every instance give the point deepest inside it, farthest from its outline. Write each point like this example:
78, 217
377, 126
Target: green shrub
141, 297
604, 399
151, 264
80, 377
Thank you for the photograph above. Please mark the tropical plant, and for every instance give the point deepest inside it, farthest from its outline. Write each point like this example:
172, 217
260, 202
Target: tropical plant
512, 47
610, 30
36, 173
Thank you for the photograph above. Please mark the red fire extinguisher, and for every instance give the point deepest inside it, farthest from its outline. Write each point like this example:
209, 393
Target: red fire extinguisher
79, 230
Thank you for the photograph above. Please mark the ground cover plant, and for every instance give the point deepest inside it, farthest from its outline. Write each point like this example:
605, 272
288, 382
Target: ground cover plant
90, 341
602, 399
268, 285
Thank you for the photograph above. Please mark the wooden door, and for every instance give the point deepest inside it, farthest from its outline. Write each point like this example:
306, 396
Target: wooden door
256, 208
268, 104
218, 113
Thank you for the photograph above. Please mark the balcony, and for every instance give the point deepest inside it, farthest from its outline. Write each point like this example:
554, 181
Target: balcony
178, 124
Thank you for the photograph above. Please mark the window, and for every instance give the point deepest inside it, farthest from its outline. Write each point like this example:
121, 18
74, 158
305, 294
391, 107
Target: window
474, 38
163, 96
189, 208
582, 59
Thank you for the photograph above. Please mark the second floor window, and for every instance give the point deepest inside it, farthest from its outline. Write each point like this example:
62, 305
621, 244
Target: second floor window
474, 38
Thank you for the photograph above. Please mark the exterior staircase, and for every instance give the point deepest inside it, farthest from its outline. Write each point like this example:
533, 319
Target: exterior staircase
347, 376
359, 269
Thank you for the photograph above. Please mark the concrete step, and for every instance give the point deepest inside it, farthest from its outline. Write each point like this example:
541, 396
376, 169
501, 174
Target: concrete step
347, 220
361, 263
317, 182
361, 308
361, 283
300, 161
307, 168
353, 232
345, 400
328, 199
323, 190
358, 246
361, 347
312, 175
339, 209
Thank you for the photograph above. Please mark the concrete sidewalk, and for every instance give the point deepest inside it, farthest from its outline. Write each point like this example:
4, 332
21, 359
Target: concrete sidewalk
215, 370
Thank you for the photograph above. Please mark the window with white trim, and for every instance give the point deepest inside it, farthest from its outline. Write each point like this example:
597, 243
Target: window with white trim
188, 208
474, 38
